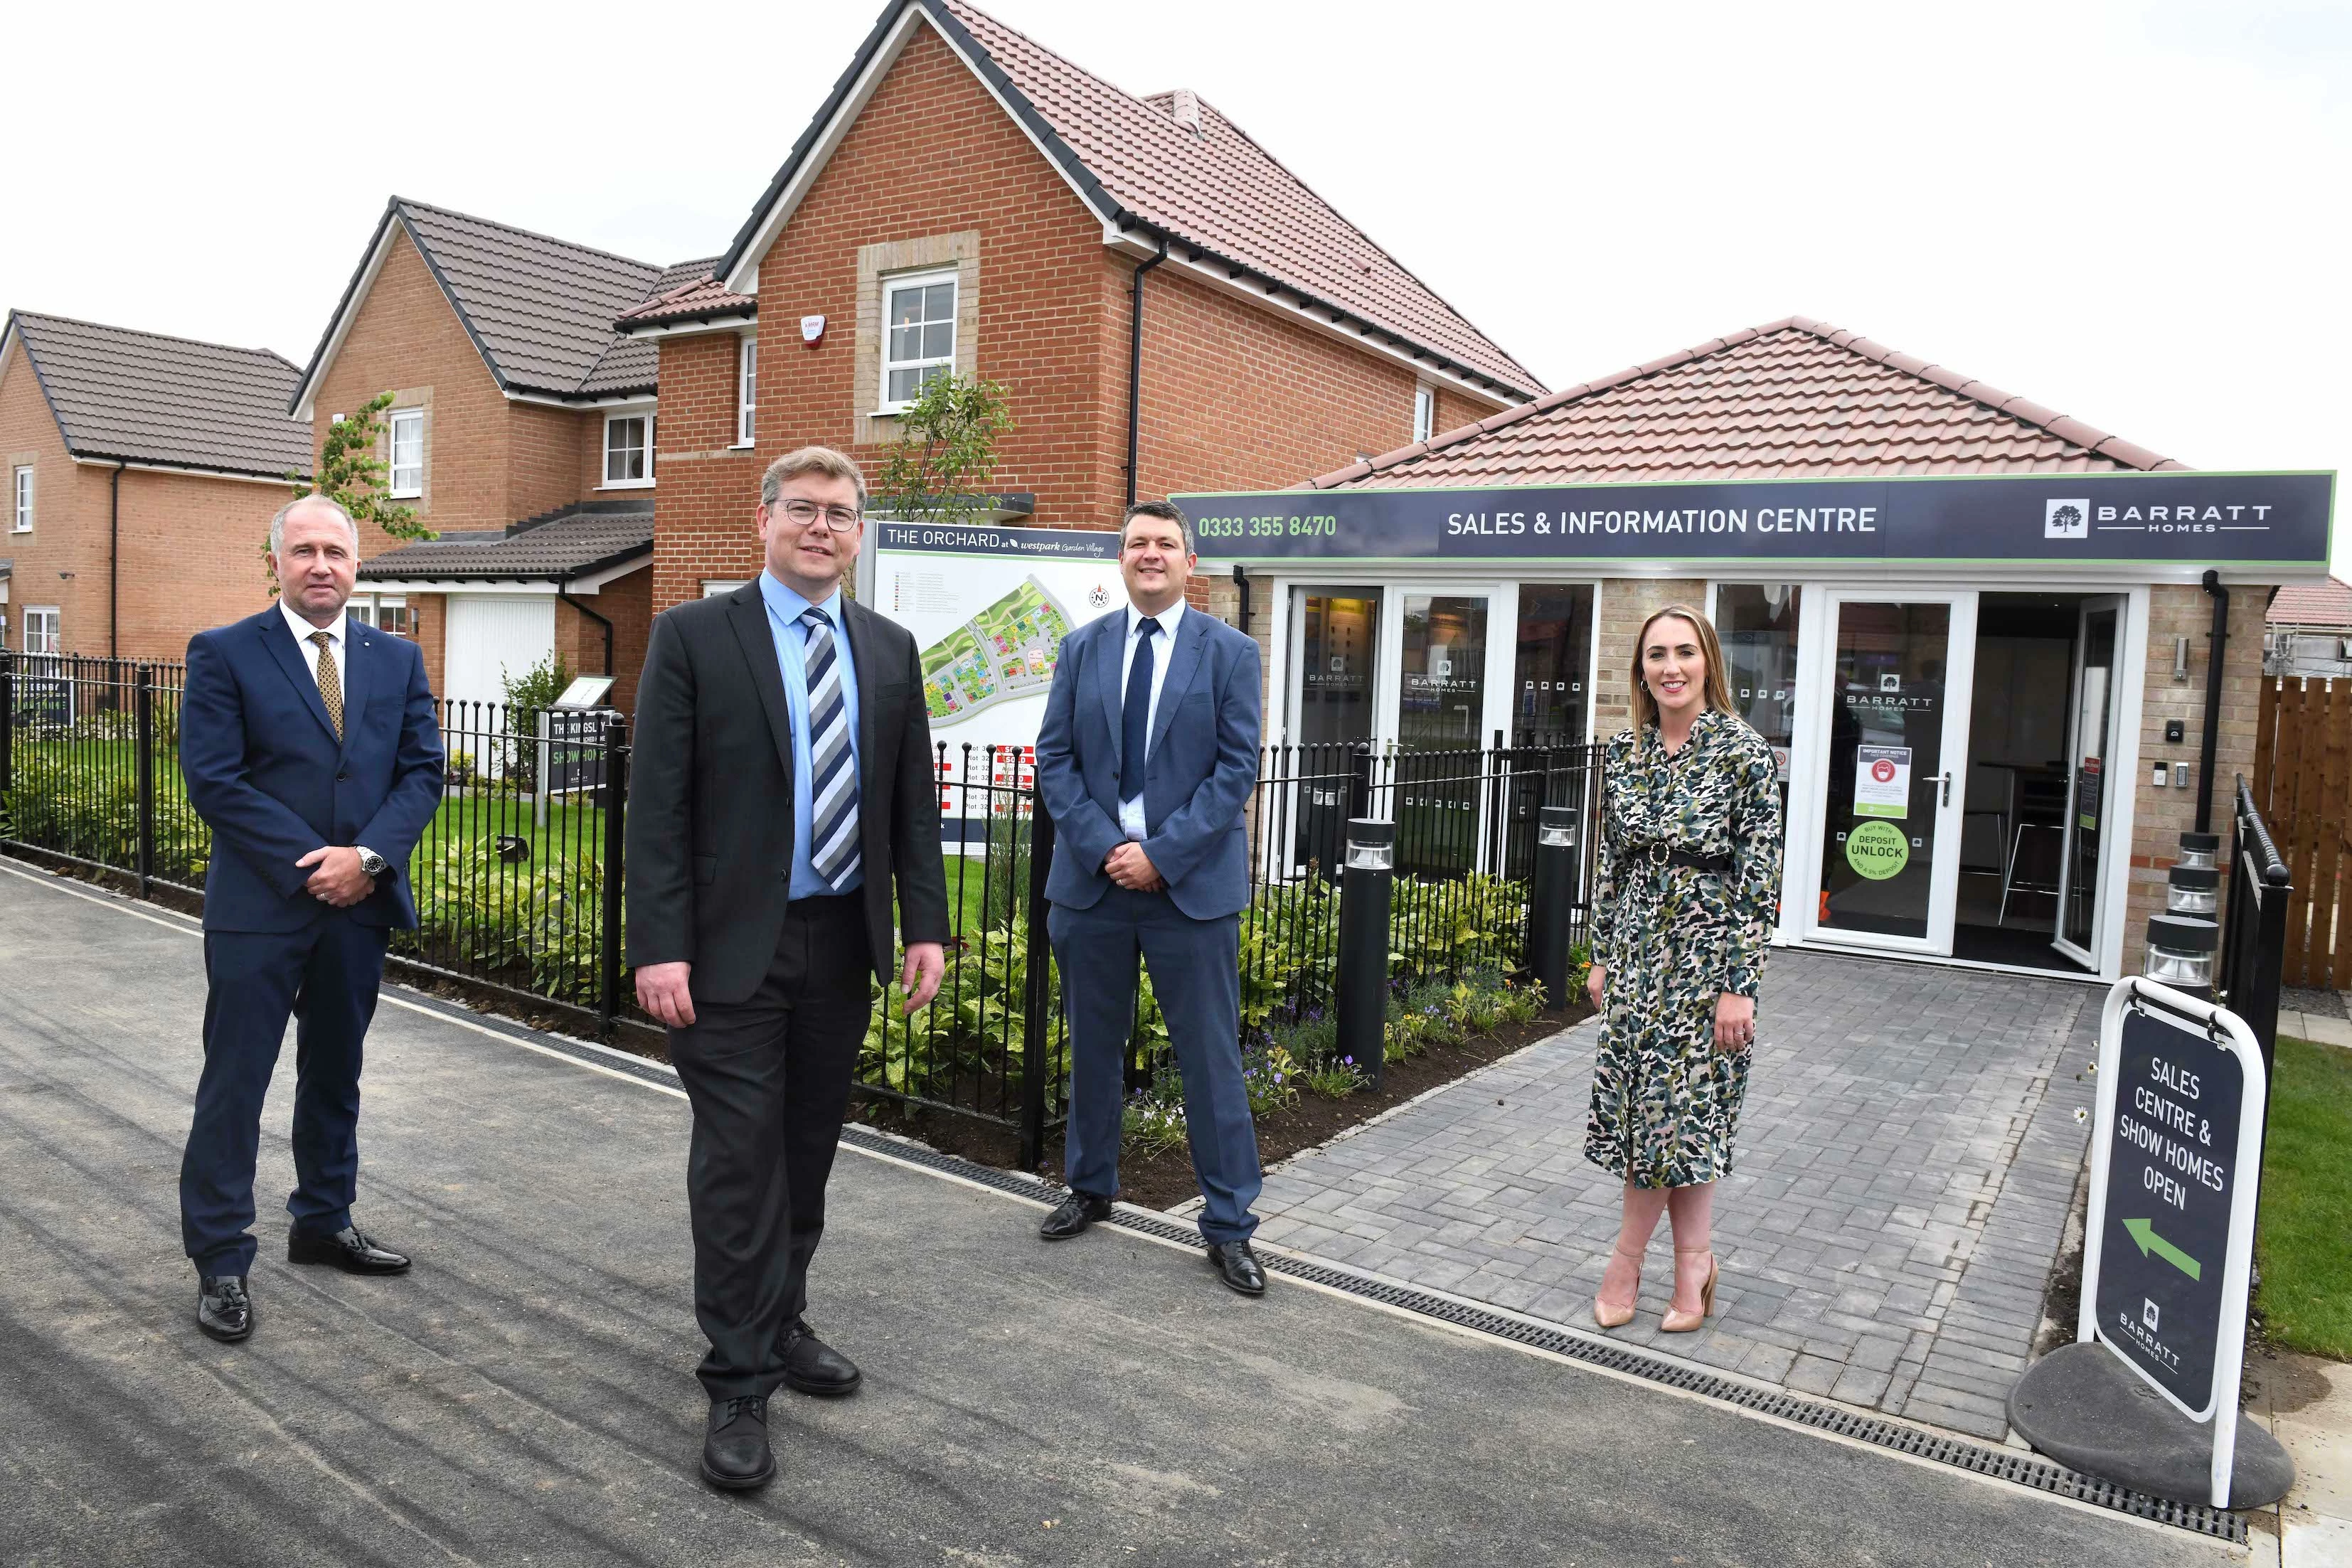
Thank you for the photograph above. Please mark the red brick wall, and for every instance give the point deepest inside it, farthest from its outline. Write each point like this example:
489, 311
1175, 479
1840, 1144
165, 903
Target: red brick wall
64, 497
544, 464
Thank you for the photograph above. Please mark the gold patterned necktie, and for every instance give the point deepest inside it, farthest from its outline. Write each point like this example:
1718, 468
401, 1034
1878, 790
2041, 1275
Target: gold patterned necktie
330, 680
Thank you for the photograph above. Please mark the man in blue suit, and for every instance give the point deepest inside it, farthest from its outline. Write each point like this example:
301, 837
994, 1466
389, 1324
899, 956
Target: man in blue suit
309, 746
1145, 761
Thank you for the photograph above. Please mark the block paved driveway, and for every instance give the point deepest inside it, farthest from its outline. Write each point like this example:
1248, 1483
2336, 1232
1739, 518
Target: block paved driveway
1905, 1161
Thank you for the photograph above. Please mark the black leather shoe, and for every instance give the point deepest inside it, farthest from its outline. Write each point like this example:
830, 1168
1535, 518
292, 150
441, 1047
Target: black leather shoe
735, 1455
223, 1308
813, 1367
347, 1250
1238, 1267
1078, 1211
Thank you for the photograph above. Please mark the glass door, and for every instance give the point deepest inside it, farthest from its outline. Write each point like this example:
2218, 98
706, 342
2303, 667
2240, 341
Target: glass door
1335, 642
1441, 732
2091, 776
1888, 801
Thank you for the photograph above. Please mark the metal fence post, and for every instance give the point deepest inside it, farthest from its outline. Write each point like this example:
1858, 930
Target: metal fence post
1362, 986
144, 699
7, 736
1037, 1001
617, 796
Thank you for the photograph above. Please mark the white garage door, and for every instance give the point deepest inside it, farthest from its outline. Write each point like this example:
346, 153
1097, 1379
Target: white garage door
491, 638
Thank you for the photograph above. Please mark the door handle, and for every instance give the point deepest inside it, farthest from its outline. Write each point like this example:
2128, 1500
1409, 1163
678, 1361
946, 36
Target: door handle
1945, 779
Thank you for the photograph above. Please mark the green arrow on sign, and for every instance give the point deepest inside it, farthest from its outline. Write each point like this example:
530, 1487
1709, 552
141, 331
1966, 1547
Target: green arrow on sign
2144, 1232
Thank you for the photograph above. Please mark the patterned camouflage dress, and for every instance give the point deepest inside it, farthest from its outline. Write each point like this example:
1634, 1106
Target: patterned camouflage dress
1665, 1101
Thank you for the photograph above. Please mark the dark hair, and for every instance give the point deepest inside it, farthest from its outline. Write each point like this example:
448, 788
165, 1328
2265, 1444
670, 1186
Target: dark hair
1165, 511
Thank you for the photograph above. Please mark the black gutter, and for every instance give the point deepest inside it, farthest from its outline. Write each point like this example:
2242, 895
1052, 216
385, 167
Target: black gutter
2221, 640
1135, 369
561, 583
114, 565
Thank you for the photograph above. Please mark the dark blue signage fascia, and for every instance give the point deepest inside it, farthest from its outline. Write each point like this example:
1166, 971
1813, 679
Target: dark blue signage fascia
988, 538
2175, 517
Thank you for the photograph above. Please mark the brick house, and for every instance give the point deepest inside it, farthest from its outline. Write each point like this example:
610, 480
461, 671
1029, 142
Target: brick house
1014, 217
141, 472
521, 430
2058, 700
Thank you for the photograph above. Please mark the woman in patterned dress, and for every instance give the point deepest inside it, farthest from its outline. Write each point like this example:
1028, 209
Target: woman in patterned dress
1687, 900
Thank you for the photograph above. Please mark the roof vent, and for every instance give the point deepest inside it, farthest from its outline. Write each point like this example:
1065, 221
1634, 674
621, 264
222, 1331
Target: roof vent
1184, 108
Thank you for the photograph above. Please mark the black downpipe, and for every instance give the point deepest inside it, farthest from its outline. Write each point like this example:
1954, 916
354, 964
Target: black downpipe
1135, 369
2220, 639
559, 584
114, 566
1241, 586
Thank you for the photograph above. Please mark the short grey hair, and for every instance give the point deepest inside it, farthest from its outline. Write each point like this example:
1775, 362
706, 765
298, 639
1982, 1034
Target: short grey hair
277, 523
1166, 512
822, 460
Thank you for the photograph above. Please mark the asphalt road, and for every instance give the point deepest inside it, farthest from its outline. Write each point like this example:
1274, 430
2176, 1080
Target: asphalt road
526, 1394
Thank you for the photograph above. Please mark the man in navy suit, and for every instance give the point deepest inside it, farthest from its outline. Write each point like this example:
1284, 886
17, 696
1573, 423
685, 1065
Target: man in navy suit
1146, 756
309, 746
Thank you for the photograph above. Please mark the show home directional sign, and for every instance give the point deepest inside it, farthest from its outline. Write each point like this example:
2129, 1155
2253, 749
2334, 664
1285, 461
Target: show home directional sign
2175, 1167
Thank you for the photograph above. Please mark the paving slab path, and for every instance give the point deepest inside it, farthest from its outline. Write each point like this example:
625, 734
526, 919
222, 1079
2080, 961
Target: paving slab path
1905, 1162
525, 1395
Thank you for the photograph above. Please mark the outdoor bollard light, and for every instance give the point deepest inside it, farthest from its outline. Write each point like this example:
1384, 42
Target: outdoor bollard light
1362, 999
1551, 899
2181, 952
2199, 851
2193, 890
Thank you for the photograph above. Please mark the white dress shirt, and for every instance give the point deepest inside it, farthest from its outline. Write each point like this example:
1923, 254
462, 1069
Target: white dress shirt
1130, 813
303, 630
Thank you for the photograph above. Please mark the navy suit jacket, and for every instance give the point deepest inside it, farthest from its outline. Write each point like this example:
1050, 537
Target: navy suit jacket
1203, 767
266, 772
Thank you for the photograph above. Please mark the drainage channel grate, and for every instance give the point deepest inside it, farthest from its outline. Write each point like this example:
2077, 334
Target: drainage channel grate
2002, 1464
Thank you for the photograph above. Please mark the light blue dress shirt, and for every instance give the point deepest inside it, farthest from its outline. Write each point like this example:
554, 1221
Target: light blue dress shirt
784, 607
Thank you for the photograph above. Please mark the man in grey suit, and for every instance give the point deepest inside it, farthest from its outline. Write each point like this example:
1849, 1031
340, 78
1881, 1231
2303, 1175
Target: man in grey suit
1145, 761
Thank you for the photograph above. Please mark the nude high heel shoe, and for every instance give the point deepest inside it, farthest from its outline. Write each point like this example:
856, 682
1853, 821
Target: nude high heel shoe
1610, 1317
1688, 1323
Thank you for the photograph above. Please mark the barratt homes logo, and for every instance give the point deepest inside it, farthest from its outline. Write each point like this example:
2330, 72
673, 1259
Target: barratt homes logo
2066, 519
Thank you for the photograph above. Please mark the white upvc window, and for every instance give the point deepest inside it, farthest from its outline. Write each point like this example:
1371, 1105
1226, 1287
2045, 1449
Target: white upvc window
406, 428
747, 387
1424, 413
385, 612
628, 450
919, 314
21, 510
41, 629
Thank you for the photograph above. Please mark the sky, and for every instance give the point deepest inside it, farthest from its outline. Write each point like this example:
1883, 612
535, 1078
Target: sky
2135, 213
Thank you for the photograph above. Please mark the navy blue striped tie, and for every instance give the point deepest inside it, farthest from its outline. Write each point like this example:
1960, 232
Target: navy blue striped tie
833, 772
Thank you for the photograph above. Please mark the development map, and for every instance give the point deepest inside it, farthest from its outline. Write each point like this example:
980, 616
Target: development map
1006, 651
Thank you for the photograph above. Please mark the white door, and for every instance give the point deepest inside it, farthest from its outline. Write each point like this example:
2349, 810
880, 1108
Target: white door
1890, 678
2091, 778
491, 638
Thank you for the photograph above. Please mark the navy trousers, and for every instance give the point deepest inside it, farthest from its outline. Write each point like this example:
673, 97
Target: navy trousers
1196, 976
325, 976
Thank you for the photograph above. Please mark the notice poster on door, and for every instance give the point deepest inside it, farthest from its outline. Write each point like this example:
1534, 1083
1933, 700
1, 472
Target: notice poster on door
1882, 782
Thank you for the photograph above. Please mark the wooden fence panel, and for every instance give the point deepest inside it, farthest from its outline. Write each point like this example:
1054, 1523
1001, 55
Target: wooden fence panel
2303, 785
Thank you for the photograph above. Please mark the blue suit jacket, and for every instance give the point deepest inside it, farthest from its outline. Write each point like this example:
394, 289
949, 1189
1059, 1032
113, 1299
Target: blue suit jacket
266, 772
1203, 764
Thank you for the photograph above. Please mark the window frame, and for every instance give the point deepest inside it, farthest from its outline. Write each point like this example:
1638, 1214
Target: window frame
1425, 411
747, 388
892, 283
20, 499
54, 636
414, 419
622, 416
370, 608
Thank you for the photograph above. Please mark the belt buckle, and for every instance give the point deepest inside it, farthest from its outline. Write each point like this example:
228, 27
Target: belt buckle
1660, 854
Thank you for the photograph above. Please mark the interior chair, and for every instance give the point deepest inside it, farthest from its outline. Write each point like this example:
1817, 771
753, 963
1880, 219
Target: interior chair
2041, 802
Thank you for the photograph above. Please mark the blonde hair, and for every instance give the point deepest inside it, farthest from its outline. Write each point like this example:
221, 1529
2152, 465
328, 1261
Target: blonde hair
1719, 695
822, 460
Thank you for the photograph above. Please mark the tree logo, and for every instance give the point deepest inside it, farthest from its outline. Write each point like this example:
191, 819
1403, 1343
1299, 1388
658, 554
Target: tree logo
2066, 519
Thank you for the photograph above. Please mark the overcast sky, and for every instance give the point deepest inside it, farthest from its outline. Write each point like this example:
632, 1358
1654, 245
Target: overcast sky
2133, 212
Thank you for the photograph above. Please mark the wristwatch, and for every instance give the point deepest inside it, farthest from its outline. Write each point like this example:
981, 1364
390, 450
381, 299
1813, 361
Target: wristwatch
375, 865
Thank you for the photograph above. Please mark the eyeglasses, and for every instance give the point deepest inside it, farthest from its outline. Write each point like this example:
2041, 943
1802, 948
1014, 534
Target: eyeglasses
840, 519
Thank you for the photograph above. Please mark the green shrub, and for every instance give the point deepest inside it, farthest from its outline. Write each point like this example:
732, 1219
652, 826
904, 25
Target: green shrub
482, 911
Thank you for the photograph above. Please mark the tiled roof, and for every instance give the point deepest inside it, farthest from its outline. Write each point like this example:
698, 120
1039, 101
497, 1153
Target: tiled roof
146, 397
1209, 189
1795, 399
698, 296
2327, 603
571, 540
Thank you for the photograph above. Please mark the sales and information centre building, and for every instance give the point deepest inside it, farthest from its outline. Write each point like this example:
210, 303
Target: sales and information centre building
1976, 631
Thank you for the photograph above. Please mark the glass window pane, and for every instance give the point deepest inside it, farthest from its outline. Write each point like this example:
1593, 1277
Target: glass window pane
905, 304
902, 386
906, 343
938, 341
1552, 678
1441, 704
939, 302
1757, 625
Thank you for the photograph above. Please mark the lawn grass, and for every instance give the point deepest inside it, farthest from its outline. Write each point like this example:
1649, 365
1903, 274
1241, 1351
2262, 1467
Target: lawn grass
2304, 1243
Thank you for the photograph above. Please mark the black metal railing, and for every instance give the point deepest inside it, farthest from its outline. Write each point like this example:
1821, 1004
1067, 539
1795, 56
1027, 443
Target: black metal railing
2254, 925
518, 876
